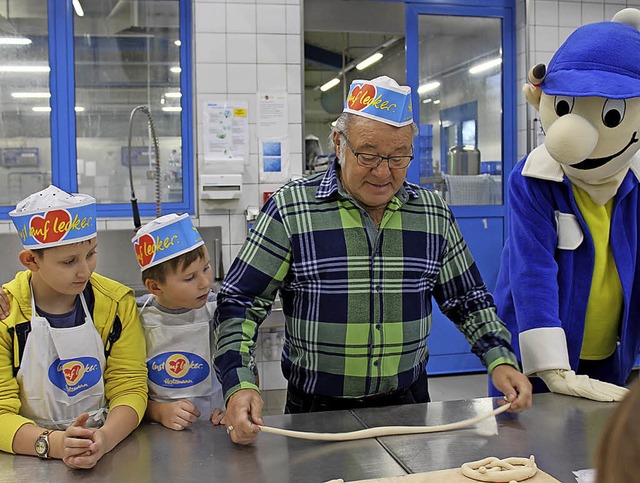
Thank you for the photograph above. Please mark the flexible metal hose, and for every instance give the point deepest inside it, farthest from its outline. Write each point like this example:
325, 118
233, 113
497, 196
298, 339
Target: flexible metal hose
156, 150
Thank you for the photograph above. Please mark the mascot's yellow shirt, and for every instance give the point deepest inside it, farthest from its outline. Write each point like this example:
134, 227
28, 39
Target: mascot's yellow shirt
605, 299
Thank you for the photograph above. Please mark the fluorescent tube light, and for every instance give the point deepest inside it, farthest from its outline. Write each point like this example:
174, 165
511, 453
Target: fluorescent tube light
485, 66
79, 109
172, 94
31, 95
41, 109
437, 101
14, 41
24, 68
172, 109
78, 8
369, 61
328, 85
428, 87
427, 100
175, 70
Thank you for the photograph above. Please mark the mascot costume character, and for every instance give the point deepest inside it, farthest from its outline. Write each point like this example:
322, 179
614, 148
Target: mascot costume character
569, 281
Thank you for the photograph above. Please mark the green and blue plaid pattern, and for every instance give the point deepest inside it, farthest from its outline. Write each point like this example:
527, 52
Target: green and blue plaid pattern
357, 302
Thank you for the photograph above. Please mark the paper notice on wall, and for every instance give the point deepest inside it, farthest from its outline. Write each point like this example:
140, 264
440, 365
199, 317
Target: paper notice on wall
226, 131
273, 115
274, 160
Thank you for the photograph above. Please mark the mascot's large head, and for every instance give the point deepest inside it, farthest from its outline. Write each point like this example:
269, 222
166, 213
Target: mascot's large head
589, 100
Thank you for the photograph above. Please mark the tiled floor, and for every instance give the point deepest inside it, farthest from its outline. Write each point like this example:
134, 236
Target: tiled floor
441, 388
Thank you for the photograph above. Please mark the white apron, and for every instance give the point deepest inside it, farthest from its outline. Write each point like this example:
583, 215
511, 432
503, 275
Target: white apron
61, 373
179, 357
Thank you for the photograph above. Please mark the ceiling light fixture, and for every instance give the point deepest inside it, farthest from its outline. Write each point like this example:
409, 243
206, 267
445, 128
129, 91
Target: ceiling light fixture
328, 85
437, 101
172, 109
485, 66
369, 61
428, 87
14, 41
177, 43
31, 95
25, 68
78, 8
173, 94
79, 109
175, 70
41, 109
372, 56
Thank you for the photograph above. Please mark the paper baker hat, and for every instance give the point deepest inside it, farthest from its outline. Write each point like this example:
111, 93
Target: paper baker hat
53, 217
165, 238
381, 99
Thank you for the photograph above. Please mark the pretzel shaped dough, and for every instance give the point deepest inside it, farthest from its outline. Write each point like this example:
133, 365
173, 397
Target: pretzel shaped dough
495, 470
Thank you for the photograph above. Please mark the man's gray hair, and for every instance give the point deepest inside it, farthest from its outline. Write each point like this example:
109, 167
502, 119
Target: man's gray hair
342, 127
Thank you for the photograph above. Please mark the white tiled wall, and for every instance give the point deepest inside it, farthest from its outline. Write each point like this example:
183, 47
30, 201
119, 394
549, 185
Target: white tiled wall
242, 47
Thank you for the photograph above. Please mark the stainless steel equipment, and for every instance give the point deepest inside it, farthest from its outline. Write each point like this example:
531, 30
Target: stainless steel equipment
463, 160
560, 431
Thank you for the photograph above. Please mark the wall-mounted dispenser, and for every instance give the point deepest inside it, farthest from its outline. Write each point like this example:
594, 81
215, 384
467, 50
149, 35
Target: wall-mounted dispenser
220, 186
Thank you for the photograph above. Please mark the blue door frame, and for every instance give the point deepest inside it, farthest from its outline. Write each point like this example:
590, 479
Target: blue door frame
472, 8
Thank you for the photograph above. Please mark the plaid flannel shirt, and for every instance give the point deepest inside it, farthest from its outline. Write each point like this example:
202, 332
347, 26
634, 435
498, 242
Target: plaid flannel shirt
357, 301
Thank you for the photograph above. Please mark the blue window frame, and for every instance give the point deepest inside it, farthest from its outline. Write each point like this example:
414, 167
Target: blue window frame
65, 168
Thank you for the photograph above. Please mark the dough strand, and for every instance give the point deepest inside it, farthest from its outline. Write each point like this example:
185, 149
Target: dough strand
495, 470
383, 430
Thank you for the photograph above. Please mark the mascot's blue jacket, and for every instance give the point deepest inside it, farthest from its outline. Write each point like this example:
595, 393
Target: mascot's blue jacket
531, 258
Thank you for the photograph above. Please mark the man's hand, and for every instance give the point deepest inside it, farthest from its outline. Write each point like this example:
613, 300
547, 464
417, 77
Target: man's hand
514, 385
244, 413
567, 382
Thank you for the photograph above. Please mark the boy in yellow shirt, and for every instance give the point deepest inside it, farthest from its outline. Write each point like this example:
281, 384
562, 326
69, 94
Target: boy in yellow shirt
72, 371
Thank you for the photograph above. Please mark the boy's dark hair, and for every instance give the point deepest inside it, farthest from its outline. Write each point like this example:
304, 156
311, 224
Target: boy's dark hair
160, 271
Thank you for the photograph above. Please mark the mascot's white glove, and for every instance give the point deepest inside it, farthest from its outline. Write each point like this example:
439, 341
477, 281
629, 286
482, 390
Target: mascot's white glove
567, 382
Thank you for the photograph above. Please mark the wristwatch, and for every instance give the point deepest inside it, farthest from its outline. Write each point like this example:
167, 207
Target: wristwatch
42, 444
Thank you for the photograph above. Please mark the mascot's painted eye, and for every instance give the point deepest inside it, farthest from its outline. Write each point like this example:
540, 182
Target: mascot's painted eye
613, 112
563, 105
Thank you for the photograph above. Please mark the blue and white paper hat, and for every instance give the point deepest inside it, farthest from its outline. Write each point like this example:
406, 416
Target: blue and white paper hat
165, 238
52, 217
381, 99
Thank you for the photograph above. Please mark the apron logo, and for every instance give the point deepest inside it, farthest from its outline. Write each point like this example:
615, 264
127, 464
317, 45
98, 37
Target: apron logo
145, 249
73, 372
361, 97
177, 369
177, 365
51, 227
74, 376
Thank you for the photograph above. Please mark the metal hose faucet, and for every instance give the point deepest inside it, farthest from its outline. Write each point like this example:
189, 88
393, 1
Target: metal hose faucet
134, 202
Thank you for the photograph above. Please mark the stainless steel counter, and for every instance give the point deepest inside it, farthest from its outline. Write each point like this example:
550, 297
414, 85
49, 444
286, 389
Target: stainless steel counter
560, 431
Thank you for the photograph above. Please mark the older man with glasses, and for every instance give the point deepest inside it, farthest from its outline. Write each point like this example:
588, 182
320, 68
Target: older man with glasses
357, 253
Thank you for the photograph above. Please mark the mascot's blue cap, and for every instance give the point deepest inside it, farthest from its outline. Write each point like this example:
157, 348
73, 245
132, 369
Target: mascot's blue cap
599, 59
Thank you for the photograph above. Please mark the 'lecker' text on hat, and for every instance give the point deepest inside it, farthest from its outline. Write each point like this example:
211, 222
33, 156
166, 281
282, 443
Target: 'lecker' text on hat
53, 217
381, 99
165, 238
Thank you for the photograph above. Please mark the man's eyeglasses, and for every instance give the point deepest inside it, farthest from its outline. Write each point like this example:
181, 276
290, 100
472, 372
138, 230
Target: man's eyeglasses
367, 160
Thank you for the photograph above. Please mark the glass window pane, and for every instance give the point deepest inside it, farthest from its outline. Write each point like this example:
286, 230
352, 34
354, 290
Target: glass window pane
127, 54
25, 139
460, 92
